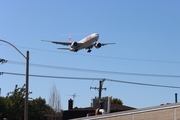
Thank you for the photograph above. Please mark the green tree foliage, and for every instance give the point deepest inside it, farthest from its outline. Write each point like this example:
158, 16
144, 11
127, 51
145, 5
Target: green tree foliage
2, 108
115, 100
14, 103
38, 108
12, 106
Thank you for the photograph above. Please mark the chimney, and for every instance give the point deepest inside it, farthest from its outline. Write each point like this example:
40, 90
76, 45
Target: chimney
109, 105
176, 98
94, 104
70, 104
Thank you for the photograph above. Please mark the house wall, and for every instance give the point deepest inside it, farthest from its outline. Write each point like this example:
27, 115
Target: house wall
165, 114
162, 112
124, 117
178, 113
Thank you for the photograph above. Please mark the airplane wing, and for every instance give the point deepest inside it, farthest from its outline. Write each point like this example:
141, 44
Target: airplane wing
56, 42
98, 45
101, 44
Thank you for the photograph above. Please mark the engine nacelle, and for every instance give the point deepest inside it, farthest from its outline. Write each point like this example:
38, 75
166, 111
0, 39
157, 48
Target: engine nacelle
98, 45
74, 44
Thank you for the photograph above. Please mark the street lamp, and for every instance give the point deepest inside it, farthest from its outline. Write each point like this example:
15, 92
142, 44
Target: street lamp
27, 78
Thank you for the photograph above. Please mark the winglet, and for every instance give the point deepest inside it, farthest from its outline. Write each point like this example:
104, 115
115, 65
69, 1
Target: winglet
70, 39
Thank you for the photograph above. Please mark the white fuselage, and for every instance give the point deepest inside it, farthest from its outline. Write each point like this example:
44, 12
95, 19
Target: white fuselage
86, 42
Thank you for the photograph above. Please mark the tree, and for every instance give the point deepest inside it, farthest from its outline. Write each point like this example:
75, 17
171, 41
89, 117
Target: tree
115, 100
12, 106
38, 108
54, 100
2, 108
14, 103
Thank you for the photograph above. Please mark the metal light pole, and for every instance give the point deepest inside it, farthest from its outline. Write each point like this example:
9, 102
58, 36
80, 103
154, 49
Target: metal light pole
27, 78
27, 87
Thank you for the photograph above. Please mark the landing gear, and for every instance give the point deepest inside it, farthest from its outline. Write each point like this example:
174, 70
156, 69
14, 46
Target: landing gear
89, 51
75, 50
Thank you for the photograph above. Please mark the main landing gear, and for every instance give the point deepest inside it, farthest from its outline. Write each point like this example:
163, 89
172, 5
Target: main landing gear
89, 51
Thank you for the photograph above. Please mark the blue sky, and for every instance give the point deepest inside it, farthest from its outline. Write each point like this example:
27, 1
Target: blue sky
146, 33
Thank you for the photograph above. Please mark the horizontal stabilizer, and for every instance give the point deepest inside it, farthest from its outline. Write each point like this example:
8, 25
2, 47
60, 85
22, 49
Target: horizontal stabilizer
63, 48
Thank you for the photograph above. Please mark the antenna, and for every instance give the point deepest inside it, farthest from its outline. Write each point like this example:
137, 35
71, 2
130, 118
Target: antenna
74, 96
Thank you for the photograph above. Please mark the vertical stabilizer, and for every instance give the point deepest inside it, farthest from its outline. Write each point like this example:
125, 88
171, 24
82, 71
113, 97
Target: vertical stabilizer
70, 39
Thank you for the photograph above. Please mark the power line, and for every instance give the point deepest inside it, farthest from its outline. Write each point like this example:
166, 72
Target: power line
144, 84
56, 77
81, 78
95, 71
109, 57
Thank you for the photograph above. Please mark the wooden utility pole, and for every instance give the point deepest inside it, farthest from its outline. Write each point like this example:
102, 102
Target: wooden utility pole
100, 90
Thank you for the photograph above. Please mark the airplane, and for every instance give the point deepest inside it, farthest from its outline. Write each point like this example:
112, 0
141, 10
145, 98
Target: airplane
87, 43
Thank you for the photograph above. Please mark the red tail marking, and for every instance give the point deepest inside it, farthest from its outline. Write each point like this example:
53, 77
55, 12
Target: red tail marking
70, 39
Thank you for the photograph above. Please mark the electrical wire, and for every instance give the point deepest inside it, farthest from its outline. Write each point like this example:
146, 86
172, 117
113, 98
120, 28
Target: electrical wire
144, 84
95, 71
110, 57
81, 78
46, 76
109, 85
90, 88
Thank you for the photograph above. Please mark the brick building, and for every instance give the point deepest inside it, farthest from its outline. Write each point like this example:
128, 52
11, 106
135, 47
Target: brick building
161, 112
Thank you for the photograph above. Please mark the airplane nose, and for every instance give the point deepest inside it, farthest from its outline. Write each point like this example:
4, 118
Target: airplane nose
97, 35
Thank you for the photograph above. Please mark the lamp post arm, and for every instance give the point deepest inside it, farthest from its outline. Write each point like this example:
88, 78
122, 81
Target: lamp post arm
13, 47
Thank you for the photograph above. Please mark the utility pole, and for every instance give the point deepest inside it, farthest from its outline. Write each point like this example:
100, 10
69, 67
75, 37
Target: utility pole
100, 90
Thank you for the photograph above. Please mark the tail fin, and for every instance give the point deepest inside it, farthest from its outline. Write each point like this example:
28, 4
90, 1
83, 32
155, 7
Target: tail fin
70, 39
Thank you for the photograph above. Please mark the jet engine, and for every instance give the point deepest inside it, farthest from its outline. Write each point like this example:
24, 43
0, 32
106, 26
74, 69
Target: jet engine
74, 44
98, 45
